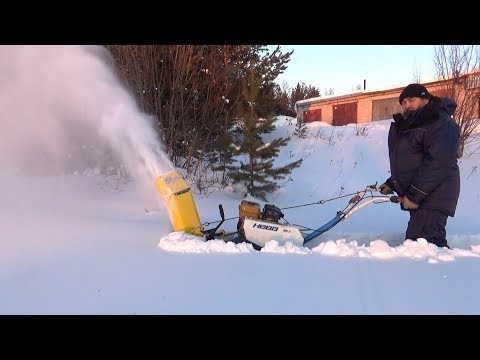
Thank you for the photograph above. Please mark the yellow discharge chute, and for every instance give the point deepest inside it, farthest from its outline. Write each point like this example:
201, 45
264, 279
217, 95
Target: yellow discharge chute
179, 201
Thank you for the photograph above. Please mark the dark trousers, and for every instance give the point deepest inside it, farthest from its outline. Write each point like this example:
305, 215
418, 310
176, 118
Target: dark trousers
428, 224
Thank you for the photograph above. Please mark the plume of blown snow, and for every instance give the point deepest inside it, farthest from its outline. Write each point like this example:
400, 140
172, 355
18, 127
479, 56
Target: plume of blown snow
63, 108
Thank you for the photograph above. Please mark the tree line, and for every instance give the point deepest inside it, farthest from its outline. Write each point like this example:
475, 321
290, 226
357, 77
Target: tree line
201, 95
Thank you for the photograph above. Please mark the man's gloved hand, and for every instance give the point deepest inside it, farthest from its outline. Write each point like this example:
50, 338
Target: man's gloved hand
385, 189
408, 205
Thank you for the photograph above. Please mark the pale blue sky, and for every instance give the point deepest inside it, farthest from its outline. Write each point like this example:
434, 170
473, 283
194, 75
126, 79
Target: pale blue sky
342, 67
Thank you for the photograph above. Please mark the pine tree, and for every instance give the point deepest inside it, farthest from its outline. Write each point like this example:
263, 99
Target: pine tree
301, 92
301, 129
269, 66
258, 173
221, 155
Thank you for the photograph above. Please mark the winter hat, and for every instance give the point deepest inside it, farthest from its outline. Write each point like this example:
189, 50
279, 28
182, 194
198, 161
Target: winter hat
415, 90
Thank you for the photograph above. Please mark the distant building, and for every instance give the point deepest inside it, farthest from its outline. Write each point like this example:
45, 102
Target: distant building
364, 106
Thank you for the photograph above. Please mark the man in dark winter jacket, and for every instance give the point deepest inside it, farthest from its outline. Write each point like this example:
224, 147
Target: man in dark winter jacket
422, 145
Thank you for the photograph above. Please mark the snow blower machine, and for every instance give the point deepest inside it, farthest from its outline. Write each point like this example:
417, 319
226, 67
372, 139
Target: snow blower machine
255, 225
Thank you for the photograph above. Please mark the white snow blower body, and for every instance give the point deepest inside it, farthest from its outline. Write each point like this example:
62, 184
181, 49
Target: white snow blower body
254, 225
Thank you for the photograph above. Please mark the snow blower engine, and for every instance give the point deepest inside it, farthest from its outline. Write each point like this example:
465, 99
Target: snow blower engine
259, 227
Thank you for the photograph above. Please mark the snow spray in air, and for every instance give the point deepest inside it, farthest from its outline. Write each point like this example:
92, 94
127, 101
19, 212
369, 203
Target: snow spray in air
63, 109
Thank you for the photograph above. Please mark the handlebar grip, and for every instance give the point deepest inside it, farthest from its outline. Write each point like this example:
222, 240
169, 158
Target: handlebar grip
220, 207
